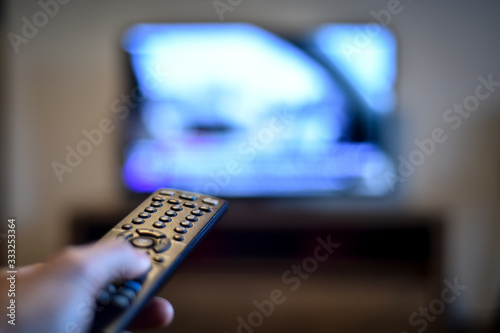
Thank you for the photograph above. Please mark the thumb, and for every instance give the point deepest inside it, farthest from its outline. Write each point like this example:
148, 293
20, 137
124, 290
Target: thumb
102, 262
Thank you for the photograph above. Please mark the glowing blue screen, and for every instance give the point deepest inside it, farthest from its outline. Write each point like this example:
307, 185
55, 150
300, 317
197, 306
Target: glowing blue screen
234, 110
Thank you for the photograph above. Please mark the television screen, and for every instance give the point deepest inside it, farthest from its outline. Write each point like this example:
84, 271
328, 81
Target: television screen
236, 110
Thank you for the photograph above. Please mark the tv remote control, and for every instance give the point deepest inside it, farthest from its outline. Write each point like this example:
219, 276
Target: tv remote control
168, 225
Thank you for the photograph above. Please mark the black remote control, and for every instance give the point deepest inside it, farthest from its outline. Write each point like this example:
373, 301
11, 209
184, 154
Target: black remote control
168, 225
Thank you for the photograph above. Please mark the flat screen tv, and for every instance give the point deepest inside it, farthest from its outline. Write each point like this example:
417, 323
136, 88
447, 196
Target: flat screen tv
235, 110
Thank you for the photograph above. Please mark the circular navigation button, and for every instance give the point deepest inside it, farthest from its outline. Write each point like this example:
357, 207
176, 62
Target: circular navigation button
162, 245
150, 233
142, 242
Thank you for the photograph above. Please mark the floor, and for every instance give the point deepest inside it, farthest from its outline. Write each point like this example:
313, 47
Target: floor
241, 301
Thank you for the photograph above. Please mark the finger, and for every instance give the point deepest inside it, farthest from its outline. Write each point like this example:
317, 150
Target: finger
30, 269
159, 312
121, 258
102, 262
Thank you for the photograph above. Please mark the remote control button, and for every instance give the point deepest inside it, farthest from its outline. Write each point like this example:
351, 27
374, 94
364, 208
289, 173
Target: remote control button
127, 292
180, 230
178, 238
173, 201
111, 288
104, 298
210, 201
165, 218
150, 209
158, 259
158, 198
197, 212
206, 209
125, 234
156, 204
120, 301
142, 242
159, 225
187, 196
189, 204
176, 207
134, 285
186, 224
162, 245
171, 213
127, 226
167, 193
137, 220
192, 218
150, 233
144, 215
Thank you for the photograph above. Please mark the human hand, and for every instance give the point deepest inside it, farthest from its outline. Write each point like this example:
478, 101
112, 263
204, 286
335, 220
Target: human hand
59, 296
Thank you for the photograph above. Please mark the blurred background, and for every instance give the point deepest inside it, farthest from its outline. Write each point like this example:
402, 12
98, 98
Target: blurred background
370, 96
